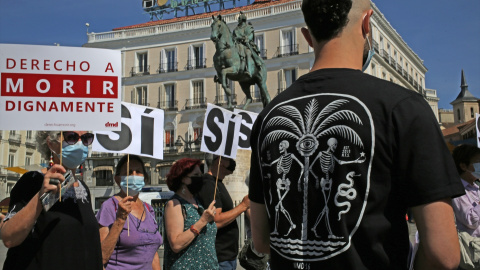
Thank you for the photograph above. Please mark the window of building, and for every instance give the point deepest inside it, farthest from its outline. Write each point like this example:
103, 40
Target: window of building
374, 70
169, 138
104, 178
12, 132
142, 60
255, 93
290, 76
395, 55
381, 44
168, 61
27, 161
29, 134
288, 42
11, 160
169, 95
472, 113
162, 174
458, 115
260, 41
384, 75
139, 96
198, 92
197, 132
421, 83
196, 57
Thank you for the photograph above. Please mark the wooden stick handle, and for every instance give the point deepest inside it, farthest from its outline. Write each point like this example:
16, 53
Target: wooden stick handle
216, 181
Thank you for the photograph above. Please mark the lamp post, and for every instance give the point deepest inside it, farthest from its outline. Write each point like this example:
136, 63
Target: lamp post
188, 142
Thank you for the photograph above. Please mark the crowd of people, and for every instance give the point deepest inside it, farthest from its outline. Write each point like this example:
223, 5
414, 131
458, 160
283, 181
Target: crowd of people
309, 207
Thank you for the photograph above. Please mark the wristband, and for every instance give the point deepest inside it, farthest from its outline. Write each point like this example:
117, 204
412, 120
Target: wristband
195, 231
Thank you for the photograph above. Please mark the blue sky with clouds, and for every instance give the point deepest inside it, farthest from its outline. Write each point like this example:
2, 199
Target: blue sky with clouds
444, 33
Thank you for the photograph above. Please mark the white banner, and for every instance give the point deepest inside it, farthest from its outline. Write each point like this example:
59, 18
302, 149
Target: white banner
59, 88
477, 118
141, 133
248, 118
220, 132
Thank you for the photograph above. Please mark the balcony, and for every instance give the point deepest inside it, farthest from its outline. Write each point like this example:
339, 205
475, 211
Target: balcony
196, 103
15, 138
196, 64
140, 71
385, 55
170, 150
167, 67
288, 50
168, 105
222, 100
375, 46
30, 142
263, 54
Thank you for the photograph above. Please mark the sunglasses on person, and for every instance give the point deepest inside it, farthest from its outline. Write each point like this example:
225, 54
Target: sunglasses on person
71, 138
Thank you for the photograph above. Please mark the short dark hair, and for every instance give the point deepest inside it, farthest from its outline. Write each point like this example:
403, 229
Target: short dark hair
179, 170
464, 154
124, 160
326, 18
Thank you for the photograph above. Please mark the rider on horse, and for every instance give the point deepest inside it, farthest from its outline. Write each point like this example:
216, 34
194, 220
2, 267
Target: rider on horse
244, 37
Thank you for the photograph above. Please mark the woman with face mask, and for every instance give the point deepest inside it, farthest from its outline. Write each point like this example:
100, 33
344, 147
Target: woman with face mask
66, 236
131, 245
189, 227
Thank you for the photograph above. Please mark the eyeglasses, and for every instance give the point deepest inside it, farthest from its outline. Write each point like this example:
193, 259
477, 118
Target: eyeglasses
71, 138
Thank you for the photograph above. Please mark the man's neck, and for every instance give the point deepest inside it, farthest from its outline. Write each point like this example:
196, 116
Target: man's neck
337, 53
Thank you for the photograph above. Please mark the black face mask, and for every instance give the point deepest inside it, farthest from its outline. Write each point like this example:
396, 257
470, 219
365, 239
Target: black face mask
196, 185
232, 165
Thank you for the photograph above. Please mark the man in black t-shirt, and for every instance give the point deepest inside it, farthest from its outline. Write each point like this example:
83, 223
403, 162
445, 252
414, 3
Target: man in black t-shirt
339, 156
226, 242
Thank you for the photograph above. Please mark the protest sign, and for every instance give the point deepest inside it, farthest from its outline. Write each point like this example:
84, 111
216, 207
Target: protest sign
248, 118
141, 133
220, 132
59, 88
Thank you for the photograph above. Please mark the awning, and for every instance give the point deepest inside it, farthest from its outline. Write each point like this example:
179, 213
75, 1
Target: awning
17, 170
103, 168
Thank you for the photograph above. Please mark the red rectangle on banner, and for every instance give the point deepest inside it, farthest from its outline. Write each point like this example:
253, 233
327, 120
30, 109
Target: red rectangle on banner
63, 86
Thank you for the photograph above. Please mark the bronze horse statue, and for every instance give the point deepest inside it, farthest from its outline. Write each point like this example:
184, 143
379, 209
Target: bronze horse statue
229, 65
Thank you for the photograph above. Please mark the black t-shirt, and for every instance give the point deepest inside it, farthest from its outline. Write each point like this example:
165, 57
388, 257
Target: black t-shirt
65, 237
226, 243
339, 156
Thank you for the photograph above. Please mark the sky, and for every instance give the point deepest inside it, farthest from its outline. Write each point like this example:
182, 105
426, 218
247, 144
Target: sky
445, 34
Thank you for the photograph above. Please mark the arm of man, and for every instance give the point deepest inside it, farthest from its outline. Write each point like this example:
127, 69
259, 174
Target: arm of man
222, 219
439, 247
156, 262
260, 227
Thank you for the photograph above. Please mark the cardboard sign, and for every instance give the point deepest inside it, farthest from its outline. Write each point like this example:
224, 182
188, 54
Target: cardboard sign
248, 118
220, 132
59, 88
141, 133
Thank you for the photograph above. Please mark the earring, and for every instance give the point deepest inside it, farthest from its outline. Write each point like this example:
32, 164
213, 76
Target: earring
50, 163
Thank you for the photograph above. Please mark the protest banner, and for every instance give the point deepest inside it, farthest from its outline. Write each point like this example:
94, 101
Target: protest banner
248, 118
141, 133
59, 88
220, 132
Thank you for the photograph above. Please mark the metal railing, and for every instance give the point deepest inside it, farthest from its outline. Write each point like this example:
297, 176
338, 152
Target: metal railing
30, 142
170, 150
167, 67
375, 46
140, 71
385, 56
222, 100
15, 138
196, 64
288, 50
196, 103
168, 105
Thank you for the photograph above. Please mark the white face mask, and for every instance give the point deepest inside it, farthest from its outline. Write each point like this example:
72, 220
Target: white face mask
476, 173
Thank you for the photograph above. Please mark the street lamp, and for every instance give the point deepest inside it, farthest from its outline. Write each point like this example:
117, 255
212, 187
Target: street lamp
87, 25
188, 142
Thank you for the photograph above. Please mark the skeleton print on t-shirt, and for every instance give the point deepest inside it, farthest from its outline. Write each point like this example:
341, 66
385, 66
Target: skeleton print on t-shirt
316, 154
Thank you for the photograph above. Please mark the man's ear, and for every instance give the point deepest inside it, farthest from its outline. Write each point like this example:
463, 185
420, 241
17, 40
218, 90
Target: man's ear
308, 36
366, 23
463, 166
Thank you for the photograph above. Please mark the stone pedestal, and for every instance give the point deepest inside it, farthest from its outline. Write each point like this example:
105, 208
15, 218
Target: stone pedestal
235, 183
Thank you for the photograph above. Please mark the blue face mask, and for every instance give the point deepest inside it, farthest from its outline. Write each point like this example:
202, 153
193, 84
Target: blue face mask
135, 184
371, 53
73, 155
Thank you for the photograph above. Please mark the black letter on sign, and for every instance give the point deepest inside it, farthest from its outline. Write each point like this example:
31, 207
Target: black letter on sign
212, 126
230, 134
147, 134
125, 136
245, 131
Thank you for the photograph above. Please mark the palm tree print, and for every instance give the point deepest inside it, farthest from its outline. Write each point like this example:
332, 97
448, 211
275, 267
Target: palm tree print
306, 129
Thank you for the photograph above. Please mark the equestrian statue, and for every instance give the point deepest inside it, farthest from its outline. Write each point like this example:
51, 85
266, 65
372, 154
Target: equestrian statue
237, 58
